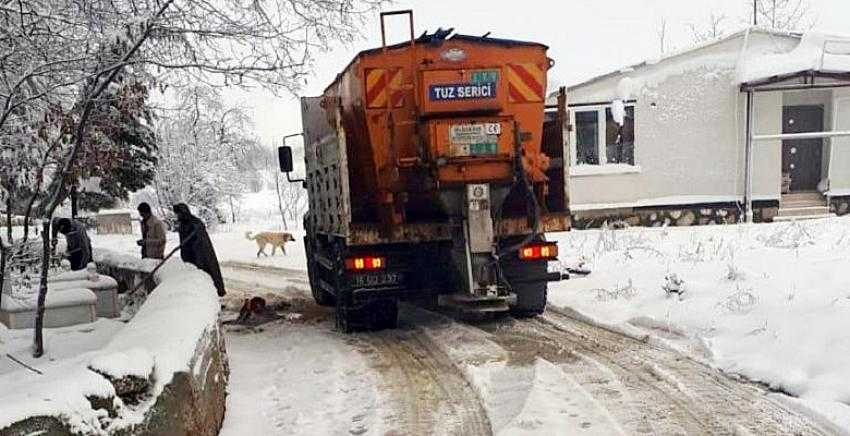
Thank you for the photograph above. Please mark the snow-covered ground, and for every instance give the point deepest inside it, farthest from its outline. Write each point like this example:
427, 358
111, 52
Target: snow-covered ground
59, 343
294, 375
769, 302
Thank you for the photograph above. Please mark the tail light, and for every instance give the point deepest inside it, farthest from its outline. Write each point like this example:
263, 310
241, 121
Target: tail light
365, 263
545, 251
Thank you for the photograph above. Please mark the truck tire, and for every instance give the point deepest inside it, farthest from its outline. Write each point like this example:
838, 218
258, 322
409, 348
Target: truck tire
530, 297
320, 295
345, 318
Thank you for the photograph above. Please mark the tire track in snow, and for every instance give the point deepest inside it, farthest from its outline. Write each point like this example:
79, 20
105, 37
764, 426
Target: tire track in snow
635, 399
719, 403
430, 395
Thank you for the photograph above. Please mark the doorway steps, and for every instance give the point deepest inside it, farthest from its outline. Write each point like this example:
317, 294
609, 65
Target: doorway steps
802, 206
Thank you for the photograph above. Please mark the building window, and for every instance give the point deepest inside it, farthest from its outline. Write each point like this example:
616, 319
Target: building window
599, 139
620, 139
587, 134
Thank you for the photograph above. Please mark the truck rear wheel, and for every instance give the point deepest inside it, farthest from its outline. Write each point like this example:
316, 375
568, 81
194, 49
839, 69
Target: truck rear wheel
346, 317
320, 295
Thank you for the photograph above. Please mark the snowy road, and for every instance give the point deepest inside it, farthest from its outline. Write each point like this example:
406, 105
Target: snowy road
551, 375
649, 390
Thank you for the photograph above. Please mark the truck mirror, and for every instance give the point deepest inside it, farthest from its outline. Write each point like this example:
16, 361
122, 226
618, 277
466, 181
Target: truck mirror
284, 158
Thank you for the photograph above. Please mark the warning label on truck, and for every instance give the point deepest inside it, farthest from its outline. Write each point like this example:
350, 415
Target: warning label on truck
475, 139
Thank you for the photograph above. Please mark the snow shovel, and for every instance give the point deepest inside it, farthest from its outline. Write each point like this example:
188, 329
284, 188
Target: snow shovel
150, 275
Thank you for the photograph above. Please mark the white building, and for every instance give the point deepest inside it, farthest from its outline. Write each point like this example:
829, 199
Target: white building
679, 154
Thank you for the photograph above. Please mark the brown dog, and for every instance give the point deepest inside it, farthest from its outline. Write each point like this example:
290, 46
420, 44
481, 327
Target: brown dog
275, 239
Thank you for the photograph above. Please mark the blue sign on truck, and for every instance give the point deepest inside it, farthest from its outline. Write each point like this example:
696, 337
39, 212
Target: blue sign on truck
462, 91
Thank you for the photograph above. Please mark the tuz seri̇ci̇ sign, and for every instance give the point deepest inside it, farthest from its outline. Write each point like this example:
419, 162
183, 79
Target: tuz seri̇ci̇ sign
482, 86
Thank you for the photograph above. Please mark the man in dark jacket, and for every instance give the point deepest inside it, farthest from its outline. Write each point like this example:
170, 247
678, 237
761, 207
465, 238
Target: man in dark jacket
195, 245
79, 247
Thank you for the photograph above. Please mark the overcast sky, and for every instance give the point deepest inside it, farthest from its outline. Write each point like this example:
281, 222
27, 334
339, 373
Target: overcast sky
586, 38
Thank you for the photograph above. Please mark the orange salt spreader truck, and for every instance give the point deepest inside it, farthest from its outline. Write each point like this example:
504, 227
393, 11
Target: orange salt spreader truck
433, 169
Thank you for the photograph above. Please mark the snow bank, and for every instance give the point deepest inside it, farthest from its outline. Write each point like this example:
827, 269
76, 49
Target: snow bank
816, 51
61, 392
178, 320
769, 301
137, 362
182, 309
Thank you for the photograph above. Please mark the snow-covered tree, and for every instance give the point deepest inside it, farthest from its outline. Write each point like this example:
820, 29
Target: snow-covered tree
204, 147
713, 27
120, 154
60, 59
791, 15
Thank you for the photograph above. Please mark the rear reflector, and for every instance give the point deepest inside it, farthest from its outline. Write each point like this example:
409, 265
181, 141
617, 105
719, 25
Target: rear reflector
539, 252
366, 263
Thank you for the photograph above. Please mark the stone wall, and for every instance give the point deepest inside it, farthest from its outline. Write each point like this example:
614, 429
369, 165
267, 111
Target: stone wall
193, 403
839, 205
679, 216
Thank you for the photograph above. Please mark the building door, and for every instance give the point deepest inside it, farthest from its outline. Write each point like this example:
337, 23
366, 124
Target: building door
801, 158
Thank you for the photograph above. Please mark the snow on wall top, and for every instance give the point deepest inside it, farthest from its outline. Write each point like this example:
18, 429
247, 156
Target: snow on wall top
67, 296
816, 52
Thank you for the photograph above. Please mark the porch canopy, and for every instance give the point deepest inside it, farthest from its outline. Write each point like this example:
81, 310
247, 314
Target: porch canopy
818, 62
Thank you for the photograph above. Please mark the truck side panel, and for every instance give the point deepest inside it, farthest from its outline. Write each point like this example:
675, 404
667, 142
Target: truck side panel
327, 179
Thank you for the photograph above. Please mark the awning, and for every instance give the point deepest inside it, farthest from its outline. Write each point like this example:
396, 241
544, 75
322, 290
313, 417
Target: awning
809, 79
819, 61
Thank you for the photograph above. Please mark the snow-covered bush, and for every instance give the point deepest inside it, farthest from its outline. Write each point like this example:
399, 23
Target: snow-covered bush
791, 236
620, 291
740, 301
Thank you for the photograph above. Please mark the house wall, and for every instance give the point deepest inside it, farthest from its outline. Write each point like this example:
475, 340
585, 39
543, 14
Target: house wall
690, 120
839, 172
767, 155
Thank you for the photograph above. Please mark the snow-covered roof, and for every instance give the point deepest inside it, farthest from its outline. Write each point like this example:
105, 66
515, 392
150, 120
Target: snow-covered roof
679, 53
816, 52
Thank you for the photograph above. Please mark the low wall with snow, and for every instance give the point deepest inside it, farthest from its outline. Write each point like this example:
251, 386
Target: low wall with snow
128, 271
164, 373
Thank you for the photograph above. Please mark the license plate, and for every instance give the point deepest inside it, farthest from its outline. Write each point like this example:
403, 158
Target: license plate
377, 280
